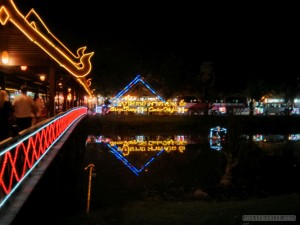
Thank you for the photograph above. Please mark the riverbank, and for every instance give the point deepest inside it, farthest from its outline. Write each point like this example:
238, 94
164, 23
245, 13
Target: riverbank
196, 212
199, 124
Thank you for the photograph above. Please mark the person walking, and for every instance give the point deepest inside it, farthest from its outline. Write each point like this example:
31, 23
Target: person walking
24, 109
6, 113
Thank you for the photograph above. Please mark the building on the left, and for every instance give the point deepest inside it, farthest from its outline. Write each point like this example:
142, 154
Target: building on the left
31, 55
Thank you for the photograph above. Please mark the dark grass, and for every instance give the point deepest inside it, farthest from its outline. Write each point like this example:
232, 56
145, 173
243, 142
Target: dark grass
196, 212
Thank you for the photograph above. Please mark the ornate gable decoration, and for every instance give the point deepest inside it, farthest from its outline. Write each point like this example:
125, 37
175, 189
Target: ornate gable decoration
33, 27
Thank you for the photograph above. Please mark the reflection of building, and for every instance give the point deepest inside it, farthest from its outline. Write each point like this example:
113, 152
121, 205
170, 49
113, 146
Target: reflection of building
142, 143
139, 150
217, 137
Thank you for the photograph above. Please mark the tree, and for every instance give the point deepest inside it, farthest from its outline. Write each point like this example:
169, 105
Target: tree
206, 79
237, 149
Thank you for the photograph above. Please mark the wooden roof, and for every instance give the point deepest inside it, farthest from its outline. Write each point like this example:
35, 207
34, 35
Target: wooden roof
29, 42
21, 50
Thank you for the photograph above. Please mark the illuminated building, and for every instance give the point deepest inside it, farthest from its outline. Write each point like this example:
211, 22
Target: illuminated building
134, 99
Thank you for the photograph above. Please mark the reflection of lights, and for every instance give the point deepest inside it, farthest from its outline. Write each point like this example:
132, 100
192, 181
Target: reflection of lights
217, 136
118, 155
139, 144
258, 137
142, 143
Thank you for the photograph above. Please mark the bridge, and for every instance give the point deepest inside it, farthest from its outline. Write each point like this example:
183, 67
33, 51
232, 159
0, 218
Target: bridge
25, 158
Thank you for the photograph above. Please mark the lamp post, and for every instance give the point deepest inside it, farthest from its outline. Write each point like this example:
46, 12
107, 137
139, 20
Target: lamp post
90, 167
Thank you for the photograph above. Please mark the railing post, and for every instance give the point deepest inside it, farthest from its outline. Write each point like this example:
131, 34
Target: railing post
90, 167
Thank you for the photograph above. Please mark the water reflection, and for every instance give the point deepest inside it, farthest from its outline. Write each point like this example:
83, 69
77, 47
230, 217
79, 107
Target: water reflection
139, 166
119, 155
148, 147
143, 143
137, 152
217, 137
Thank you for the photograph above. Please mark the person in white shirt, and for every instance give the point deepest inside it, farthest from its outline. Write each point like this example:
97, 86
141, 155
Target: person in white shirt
24, 109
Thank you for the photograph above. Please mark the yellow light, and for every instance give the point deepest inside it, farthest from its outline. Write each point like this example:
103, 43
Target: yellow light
169, 145
69, 97
23, 68
5, 57
42, 77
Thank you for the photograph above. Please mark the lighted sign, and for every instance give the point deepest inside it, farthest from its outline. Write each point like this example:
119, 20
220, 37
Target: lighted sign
136, 80
144, 105
149, 107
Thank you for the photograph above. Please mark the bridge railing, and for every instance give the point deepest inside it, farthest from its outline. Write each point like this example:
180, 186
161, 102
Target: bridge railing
21, 154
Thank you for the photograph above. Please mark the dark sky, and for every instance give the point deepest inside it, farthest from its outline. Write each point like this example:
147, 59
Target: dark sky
243, 41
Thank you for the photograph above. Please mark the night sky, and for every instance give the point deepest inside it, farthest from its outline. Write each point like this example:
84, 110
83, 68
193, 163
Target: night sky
171, 41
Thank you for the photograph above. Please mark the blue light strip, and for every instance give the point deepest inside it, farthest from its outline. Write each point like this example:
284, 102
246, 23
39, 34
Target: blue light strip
152, 90
151, 160
133, 82
218, 141
123, 159
120, 156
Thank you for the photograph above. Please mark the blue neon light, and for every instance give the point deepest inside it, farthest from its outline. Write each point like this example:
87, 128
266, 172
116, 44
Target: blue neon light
132, 83
217, 137
152, 90
118, 154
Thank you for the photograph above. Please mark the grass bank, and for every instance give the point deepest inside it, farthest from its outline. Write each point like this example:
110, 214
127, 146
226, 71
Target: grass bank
196, 212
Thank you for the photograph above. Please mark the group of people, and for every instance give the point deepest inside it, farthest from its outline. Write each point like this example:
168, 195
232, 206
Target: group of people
24, 110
